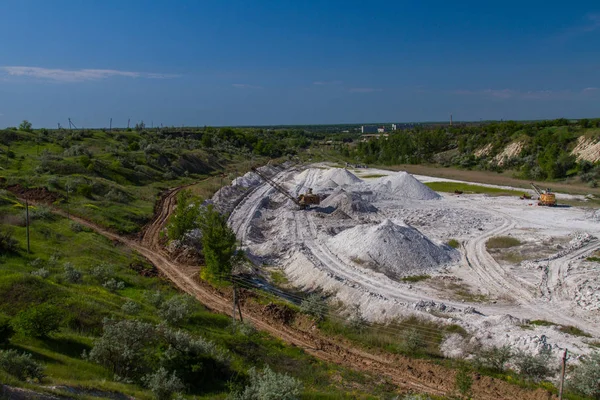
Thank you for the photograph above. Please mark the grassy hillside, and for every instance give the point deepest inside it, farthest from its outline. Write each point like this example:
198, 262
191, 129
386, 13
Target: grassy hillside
42, 278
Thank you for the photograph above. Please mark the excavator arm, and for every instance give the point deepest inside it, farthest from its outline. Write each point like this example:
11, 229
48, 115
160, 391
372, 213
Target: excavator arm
276, 186
536, 188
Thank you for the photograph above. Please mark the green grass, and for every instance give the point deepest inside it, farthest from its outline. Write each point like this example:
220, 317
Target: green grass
84, 306
568, 329
466, 188
593, 259
373, 176
453, 243
278, 277
415, 278
502, 242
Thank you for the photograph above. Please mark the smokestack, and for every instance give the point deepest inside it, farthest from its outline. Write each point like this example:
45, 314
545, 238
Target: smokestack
450, 119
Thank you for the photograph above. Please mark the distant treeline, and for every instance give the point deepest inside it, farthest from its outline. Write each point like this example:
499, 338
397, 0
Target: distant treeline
545, 148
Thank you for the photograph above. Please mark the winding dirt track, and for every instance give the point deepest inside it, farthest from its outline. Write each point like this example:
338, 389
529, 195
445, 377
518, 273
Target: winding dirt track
408, 374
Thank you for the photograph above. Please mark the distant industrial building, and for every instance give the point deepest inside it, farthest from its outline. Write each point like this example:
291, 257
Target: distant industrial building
381, 129
368, 129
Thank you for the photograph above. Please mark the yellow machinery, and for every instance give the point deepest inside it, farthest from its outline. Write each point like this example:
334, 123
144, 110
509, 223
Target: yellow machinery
309, 198
546, 197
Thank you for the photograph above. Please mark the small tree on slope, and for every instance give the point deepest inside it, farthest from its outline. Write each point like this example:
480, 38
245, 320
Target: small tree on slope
218, 243
586, 376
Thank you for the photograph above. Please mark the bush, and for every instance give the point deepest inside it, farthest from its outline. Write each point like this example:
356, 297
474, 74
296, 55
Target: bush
113, 285
6, 330
314, 306
102, 272
356, 321
502, 242
76, 227
39, 321
71, 274
453, 243
585, 378
413, 341
8, 244
534, 367
162, 384
269, 385
494, 358
20, 365
123, 347
155, 297
42, 273
131, 307
175, 310
116, 196
464, 381
41, 212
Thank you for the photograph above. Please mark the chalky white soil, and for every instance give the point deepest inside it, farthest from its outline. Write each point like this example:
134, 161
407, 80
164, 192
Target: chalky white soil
369, 233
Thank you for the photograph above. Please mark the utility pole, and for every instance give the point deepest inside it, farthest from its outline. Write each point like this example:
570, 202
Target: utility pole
234, 305
27, 223
562, 374
68, 217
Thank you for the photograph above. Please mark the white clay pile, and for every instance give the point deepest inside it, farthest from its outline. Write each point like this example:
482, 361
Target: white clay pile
392, 248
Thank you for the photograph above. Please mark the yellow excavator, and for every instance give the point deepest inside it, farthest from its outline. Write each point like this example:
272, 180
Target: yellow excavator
546, 197
303, 201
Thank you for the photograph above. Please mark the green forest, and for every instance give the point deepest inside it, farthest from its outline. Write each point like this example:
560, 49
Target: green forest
545, 154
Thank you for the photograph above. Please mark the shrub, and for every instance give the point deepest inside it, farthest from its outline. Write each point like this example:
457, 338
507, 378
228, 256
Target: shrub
413, 341
502, 242
585, 378
314, 306
42, 273
155, 297
534, 367
356, 321
116, 196
113, 285
162, 384
269, 385
494, 358
131, 307
454, 243
41, 212
39, 321
123, 347
6, 330
20, 365
8, 244
176, 309
464, 381
76, 227
102, 272
71, 274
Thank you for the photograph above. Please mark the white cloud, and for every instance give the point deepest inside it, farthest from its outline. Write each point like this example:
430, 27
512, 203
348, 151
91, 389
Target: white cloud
363, 90
245, 86
77, 75
590, 89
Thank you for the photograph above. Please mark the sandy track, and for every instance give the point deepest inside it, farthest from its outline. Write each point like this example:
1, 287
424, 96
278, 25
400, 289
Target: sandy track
407, 374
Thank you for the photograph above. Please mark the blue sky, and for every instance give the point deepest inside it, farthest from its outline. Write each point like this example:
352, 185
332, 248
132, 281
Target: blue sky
296, 62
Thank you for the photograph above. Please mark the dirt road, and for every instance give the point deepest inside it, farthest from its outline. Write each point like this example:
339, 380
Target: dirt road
407, 374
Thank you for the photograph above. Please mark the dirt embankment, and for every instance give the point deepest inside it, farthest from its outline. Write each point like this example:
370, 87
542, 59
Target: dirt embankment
407, 374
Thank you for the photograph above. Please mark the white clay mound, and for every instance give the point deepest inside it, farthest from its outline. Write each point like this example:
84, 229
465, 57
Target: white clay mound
340, 176
391, 248
405, 185
348, 202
